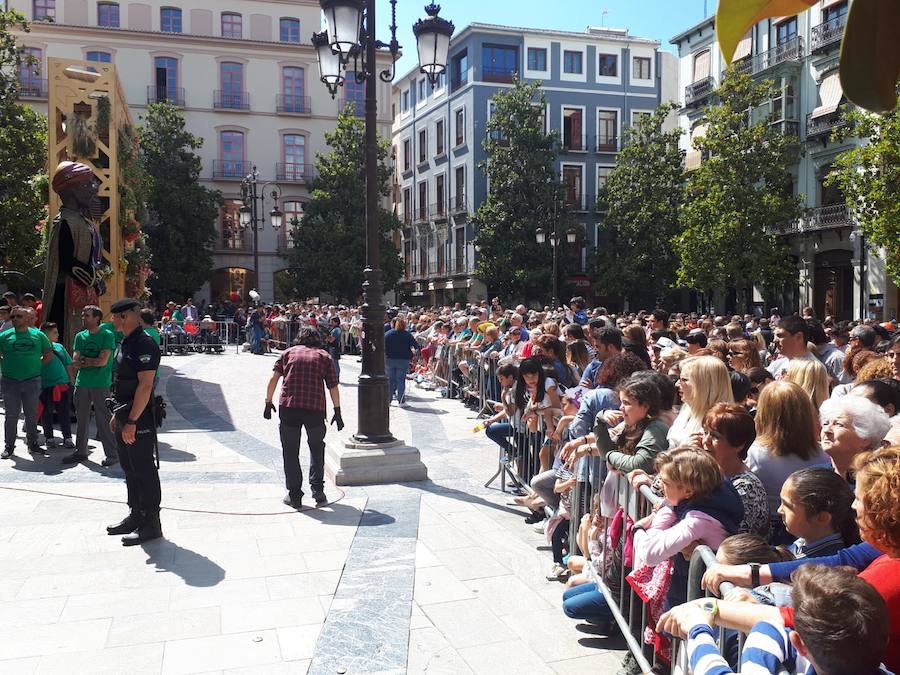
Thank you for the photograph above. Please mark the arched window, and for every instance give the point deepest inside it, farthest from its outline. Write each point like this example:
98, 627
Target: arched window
232, 82
289, 30
293, 85
170, 20
232, 154
294, 151
108, 14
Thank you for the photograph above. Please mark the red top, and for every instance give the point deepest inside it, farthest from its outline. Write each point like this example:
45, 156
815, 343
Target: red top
304, 370
884, 575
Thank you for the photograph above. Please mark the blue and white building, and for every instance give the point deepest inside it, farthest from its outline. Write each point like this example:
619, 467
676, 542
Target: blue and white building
595, 83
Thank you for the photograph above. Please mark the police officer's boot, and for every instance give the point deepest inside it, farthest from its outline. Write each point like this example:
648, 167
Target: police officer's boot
149, 530
130, 523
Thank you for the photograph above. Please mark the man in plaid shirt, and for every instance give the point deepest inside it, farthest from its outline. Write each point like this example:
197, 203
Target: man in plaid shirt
304, 368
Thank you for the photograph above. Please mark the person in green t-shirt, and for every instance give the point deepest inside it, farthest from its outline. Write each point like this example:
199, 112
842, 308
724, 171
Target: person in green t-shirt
93, 359
23, 351
56, 390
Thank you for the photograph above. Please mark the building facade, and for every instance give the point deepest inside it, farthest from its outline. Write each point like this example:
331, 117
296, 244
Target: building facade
594, 84
244, 74
838, 274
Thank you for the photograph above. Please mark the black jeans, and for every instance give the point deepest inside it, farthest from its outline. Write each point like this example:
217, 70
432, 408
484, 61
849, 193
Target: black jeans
292, 421
138, 461
62, 407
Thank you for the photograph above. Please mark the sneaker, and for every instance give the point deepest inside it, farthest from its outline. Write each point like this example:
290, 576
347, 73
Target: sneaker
321, 499
37, 450
68, 444
558, 573
539, 527
293, 502
7, 453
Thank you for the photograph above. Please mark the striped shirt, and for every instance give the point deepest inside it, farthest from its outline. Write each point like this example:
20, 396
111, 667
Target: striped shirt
767, 651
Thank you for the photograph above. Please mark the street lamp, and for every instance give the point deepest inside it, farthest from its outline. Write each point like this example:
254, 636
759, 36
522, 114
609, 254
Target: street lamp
350, 34
542, 237
253, 197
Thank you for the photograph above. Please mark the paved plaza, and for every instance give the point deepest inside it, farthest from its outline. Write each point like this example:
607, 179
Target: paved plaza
439, 576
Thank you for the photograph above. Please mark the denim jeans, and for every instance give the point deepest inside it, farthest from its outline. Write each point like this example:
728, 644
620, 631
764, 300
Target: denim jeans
396, 372
587, 603
292, 420
20, 395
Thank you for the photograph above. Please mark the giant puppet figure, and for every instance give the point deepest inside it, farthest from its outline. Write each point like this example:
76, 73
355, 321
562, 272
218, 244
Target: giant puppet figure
73, 251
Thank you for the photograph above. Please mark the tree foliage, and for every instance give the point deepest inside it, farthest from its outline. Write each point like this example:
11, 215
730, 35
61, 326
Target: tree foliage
183, 212
524, 193
23, 158
330, 254
739, 196
869, 177
641, 201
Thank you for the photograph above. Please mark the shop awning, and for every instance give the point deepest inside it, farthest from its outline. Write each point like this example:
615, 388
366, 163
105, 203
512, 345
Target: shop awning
830, 95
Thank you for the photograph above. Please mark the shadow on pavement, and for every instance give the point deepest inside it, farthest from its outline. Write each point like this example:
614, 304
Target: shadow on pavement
193, 568
335, 514
169, 454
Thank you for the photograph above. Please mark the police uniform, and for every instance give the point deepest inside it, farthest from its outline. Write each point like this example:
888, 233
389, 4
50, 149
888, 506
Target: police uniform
136, 353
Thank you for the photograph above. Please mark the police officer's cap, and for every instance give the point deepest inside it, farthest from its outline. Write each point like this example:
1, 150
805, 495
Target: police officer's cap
124, 305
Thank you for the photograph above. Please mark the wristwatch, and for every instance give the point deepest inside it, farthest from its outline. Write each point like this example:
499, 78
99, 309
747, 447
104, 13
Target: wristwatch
754, 575
711, 606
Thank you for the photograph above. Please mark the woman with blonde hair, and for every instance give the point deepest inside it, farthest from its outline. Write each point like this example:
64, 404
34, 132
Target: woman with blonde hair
810, 375
703, 382
787, 440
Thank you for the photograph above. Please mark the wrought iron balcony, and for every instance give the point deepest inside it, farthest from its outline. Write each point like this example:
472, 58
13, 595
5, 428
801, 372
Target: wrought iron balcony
605, 143
459, 265
420, 214
458, 204
33, 87
231, 169
292, 104
828, 217
827, 34
237, 240
290, 172
575, 143
231, 100
159, 94
790, 51
820, 128
697, 92
438, 211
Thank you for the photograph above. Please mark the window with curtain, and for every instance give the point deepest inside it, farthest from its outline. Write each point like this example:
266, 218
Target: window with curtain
289, 30
231, 25
170, 20
43, 9
701, 66
640, 68
232, 82
232, 153
294, 152
108, 14
292, 85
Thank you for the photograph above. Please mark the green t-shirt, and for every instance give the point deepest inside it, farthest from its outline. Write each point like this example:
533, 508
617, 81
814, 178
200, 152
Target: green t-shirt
178, 316
89, 346
22, 353
54, 371
111, 327
154, 334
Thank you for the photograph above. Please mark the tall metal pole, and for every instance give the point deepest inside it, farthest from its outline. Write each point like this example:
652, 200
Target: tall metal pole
254, 222
555, 242
373, 402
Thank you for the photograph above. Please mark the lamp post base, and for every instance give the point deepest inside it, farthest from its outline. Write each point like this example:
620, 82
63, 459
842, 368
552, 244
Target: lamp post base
355, 463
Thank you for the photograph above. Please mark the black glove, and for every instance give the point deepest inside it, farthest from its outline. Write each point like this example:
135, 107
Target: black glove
270, 408
337, 419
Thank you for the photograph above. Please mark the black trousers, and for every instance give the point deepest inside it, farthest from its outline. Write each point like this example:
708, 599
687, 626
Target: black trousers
139, 464
292, 421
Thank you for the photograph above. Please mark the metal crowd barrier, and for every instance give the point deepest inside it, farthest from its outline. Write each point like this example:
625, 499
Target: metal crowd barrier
192, 338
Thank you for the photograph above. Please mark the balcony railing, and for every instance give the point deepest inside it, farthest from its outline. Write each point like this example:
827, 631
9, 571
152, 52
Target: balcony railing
502, 75
438, 211
33, 88
158, 94
827, 217
231, 100
358, 106
699, 91
238, 240
406, 218
294, 173
789, 51
231, 169
290, 103
828, 33
420, 214
575, 143
458, 204
819, 128
605, 143
575, 202
458, 265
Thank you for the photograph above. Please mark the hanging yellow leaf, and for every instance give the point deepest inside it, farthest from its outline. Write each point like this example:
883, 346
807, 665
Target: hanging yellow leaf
735, 17
870, 54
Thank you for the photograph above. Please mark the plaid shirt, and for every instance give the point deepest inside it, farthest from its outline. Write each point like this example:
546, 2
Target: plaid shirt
304, 369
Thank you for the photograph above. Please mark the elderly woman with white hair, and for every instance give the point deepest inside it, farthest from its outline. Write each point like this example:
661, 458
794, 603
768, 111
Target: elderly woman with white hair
851, 425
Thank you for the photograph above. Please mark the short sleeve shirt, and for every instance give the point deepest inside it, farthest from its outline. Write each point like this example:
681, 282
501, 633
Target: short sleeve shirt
54, 371
304, 370
137, 353
89, 345
22, 352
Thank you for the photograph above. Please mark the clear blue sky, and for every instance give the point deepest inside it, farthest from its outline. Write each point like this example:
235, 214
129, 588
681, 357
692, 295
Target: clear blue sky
657, 19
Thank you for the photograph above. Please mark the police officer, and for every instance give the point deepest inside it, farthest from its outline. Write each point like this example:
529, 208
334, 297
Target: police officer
133, 423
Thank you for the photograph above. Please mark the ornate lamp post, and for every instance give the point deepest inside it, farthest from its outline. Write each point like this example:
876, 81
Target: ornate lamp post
253, 197
554, 235
350, 35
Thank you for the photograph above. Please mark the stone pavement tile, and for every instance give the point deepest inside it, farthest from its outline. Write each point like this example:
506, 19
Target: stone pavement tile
55, 585
9, 588
323, 561
504, 657
304, 585
20, 666
604, 662
445, 504
475, 522
438, 537
22, 641
418, 618
243, 565
471, 563
241, 617
437, 584
326, 541
549, 633
163, 626
424, 557
326, 601
239, 650
137, 659
285, 668
298, 643
429, 652
115, 603
237, 590
507, 595
467, 623
31, 612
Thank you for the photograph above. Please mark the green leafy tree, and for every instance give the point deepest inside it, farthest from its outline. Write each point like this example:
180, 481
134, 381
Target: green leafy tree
739, 196
331, 247
524, 194
641, 201
182, 211
23, 157
869, 177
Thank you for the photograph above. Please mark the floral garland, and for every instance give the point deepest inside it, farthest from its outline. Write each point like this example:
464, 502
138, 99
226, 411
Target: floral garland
133, 194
